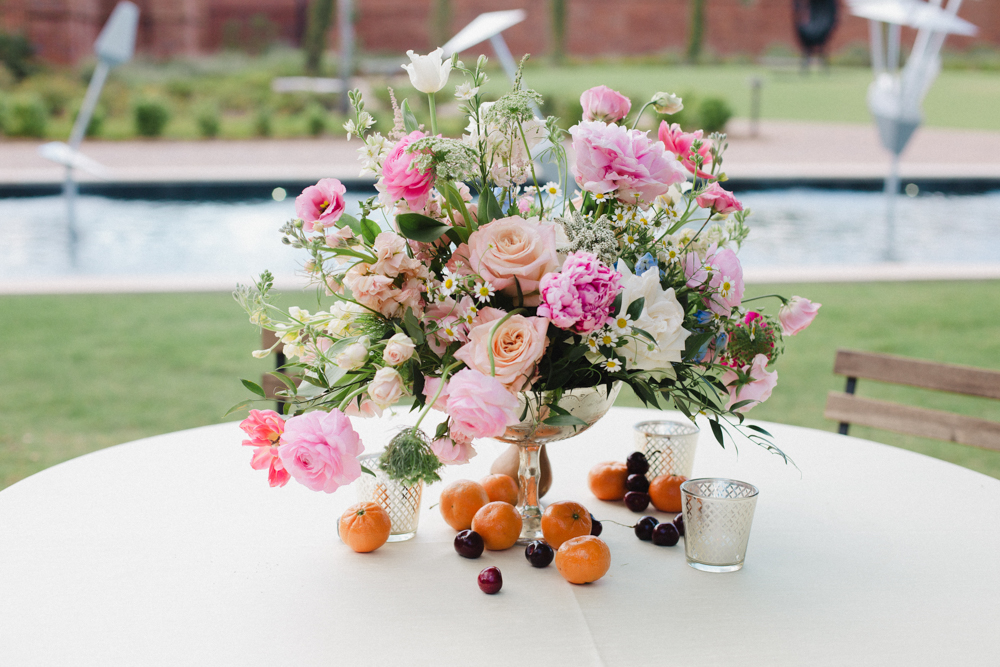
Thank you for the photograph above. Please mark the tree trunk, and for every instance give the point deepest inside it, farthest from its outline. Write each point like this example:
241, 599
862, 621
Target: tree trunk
696, 31
558, 18
314, 44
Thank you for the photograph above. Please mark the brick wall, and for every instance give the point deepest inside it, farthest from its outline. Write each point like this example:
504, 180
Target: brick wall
64, 30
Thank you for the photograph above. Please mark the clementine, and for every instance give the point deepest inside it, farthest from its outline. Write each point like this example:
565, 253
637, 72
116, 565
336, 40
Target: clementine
500, 487
564, 520
584, 559
665, 492
499, 523
365, 527
460, 501
607, 480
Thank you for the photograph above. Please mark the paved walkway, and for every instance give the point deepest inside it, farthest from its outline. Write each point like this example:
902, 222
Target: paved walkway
782, 150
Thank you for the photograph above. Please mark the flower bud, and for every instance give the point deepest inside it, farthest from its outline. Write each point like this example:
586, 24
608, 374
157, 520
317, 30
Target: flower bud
667, 103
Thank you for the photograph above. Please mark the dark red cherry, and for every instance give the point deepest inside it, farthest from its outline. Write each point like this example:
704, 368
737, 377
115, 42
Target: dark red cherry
596, 527
637, 464
490, 580
679, 523
637, 483
637, 501
469, 544
539, 553
644, 528
666, 535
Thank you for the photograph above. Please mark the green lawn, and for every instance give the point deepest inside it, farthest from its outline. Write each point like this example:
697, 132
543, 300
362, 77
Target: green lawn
85, 372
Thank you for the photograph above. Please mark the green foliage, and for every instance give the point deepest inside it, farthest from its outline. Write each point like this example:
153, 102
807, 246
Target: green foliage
28, 117
314, 43
209, 121
17, 55
440, 22
151, 117
262, 126
408, 458
315, 120
4, 116
713, 114
696, 31
557, 12
95, 126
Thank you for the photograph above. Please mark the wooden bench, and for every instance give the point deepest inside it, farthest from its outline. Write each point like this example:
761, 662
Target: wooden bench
847, 408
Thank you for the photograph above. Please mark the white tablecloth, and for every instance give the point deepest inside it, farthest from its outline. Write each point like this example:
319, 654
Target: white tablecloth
172, 551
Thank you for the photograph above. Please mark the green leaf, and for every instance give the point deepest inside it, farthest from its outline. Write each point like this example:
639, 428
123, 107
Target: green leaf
238, 406
420, 228
409, 120
635, 308
490, 208
759, 430
617, 305
369, 230
455, 201
717, 432
644, 334
254, 387
412, 327
564, 420
367, 471
352, 222
741, 404
286, 380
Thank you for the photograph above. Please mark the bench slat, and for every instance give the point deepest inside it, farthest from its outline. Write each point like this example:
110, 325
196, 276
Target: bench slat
920, 422
918, 373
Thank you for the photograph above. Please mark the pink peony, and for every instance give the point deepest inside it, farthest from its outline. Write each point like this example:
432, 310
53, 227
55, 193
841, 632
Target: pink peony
265, 428
517, 346
580, 297
681, 144
455, 450
479, 405
719, 200
514, 249
401, 180
758, 390
720, 274
320, 450
603, 104
797, 314
611, 158
321, 205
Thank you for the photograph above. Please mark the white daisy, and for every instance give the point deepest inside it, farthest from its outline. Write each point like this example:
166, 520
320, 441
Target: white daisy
592, 344
450, 330
552, 189
607, 337
449, 282
622, 325
620, 218
630, 240
612, 365
726, 288
483, 292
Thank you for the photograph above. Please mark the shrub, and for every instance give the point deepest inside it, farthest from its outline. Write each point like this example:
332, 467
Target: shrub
17, 54
315, 120
4, 116
262, 123
28, 118
182, 89
686, 117
96, 124
714, 113
209, 122
151, 117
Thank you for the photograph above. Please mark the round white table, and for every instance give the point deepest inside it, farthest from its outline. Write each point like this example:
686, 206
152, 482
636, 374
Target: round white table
173, 551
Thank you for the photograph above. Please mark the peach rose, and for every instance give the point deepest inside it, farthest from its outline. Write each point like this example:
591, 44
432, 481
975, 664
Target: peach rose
518, 344
398, 349
512, 249
386, 387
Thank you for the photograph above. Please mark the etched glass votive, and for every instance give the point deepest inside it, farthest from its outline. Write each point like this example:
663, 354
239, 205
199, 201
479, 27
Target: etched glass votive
400, 501
669, 446
717, 517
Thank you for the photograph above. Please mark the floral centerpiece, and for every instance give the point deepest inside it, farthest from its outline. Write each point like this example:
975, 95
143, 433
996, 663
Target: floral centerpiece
468, 280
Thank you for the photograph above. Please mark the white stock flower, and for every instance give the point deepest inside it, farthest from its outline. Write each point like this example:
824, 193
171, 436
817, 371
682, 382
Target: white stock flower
429, 73
667, 103
465, 91
662, 318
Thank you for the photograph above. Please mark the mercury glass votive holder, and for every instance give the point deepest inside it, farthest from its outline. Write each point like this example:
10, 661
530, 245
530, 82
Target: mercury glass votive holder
717, 517
669, 446
400, 501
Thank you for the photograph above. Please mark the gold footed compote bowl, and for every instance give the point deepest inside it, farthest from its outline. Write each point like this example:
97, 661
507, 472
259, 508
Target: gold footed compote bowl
588, 404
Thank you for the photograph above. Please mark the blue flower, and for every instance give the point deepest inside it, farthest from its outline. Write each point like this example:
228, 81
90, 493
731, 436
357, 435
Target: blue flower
645, 263
704, 316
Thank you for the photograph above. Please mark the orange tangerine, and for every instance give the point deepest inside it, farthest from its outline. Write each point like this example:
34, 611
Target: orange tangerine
499, 524
582, 560
607, 480
665, 492
564, 520
500, 487
460, 501
365, 527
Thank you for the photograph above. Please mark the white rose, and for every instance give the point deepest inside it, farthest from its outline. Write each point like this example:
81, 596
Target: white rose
386, 387
398, 349
662, 317
429, 73
353, 356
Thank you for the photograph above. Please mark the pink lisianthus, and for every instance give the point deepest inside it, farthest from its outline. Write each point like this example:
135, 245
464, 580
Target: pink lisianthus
797, 314
758, 390
401, 180
719, 199
265, 428
455, 450
720, 274
321, 205
480, 406
612, 158
320, 450
517, 346
580, 297
603, 104
512, 250
681, 144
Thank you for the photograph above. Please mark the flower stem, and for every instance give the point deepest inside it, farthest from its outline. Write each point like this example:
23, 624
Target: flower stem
430, 103
437, 395
639, 115
784, 301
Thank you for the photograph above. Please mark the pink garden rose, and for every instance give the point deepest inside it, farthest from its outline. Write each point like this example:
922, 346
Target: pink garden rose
398, 349
797, 314
512, 249
758, 390
401, 180
720, 274
480, 406
265, 428
518, 344
603, 104
321, 205
386, 387
320, 450
580, 297
681, 144
612, 158
362, 407
431, 386
719, 200
455, 450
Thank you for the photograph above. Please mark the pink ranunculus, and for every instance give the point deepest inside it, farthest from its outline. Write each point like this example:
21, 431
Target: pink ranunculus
265, 428
480, 406
267, 458
602, 104
719, 199
612, 158
681, 144
320, 450
455, 450
758, 390
321, 205
581, 296
402, 180
514, 249
721, 274
797, 314
517, 346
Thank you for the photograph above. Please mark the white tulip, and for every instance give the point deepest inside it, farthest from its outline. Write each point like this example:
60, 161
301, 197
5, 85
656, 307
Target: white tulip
429, 73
